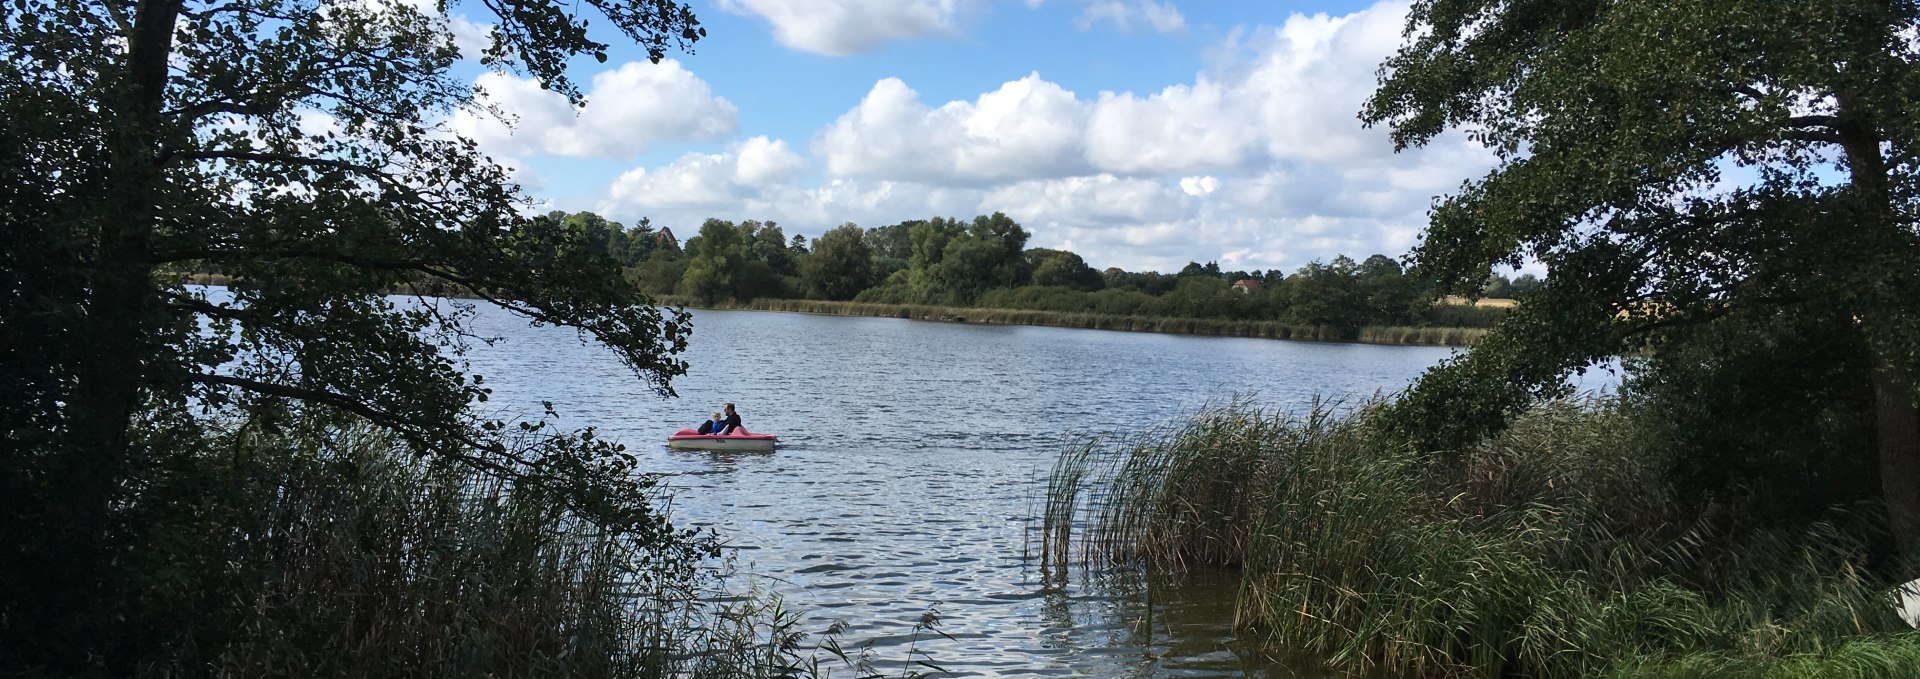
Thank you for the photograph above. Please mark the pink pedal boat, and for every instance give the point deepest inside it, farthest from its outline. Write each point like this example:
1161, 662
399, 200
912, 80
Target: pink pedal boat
740, 440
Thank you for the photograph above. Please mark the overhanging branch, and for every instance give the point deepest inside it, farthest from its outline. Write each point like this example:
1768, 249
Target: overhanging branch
472, 285
414, 431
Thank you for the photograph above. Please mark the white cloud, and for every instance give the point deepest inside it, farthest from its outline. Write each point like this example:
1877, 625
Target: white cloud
628, 109
1179, 129
1089, 200
1199, 186
1027, 128
706, 180
684, 192
471, 37
762, 161
1284, 94
842, 27
1257, 162
1126, 15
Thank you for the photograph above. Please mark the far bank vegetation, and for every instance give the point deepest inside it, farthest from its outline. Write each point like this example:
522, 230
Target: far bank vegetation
928, 268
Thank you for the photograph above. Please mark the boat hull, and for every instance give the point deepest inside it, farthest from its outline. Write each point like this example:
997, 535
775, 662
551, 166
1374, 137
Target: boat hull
687, 439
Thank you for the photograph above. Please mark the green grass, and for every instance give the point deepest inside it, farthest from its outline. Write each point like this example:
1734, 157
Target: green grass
1867, 657
1553, 550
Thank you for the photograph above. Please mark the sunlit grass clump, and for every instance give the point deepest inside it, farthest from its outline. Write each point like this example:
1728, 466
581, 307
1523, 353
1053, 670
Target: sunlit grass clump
1553, 550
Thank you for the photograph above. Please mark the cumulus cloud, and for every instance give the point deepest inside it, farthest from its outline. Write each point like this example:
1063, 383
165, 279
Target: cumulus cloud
1127, 15
1283, 94
1257, 162
1179, 129
842, 27
1090, 200
706, 180
1028, 128
803, 209
761, 161
628, 109
1278, 219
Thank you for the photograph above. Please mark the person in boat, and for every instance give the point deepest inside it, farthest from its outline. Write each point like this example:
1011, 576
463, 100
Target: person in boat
713, 426
733, 421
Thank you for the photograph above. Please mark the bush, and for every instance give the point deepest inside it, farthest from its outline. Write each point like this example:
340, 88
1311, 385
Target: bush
885, 294
1036, 298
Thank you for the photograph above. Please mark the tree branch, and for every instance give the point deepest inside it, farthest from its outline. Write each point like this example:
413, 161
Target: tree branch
1750, 91
119, 17
473, 285
264, 157
205, 308
1828, 122
413, 431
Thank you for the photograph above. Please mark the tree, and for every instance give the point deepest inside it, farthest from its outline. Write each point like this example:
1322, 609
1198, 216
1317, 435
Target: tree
1523, 284
1677, 167
1496, 287
1391, 297
767, 243
634, 244
714, 259
1199, 297
841, 264
894, 241
980, 256
1327, 294
658, 274
1192, 269
298, 146
1062, 268
929, 248
764, 261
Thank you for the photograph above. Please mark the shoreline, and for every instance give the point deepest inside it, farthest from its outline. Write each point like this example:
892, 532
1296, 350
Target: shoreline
1077, 320
1275, 330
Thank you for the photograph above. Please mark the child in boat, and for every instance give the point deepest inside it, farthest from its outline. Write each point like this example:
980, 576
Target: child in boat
713, 426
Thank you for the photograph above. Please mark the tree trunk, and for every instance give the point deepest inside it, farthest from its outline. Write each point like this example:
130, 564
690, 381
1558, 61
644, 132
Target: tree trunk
1897, 425
1898, 433
79, 591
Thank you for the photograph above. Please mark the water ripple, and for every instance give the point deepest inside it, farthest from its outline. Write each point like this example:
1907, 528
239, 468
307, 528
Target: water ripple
912, 454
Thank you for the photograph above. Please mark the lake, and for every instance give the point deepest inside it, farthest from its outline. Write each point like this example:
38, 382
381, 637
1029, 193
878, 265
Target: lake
913, 456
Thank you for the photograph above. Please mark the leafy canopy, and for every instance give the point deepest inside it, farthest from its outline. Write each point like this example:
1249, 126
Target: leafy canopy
1671, 163
300, 147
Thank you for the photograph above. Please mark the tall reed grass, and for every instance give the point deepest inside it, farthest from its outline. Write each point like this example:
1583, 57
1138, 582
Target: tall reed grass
333, 551
1554, 550
1096, 321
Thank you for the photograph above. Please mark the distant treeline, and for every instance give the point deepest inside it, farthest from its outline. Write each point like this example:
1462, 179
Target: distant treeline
985, 263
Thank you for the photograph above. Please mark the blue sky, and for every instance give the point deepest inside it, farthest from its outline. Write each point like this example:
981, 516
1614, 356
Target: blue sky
1139, 133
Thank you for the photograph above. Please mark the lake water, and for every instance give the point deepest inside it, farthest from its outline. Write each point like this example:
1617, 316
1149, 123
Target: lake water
912, 460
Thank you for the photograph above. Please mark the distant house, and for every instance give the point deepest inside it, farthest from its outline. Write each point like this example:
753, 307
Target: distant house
1246, 285
664, 240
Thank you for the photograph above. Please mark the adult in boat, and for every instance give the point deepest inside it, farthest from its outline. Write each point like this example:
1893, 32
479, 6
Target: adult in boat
733, 421
714, 425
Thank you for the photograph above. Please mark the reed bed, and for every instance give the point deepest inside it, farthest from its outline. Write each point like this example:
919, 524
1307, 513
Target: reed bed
1094, 321
337, 552
1554, 550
